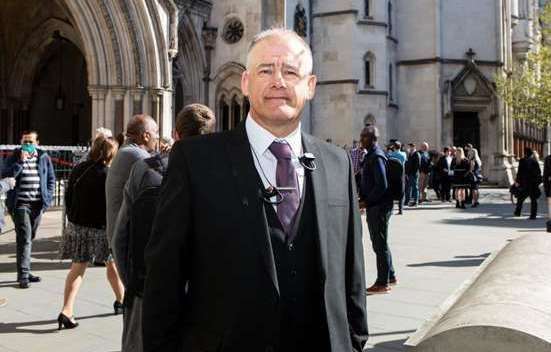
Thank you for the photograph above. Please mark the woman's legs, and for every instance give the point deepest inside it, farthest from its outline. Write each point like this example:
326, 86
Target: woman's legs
115, 280
72, 285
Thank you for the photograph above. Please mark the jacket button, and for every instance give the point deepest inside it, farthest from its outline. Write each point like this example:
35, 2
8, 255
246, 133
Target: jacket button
293, 273
291, 246
245, 201
269, 349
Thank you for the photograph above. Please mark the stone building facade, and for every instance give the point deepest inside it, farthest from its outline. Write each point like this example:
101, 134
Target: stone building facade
420, 70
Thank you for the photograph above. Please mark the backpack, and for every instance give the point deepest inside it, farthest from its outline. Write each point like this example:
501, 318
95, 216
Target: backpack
394, 175
141, 222
395, 178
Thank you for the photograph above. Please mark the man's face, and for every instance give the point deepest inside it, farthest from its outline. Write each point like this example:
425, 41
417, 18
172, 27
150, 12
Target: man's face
151, 137
276, 82
30, 138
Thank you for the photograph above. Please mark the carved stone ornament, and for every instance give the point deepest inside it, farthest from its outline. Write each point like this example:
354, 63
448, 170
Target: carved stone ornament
301, 21
233, 31
470, 85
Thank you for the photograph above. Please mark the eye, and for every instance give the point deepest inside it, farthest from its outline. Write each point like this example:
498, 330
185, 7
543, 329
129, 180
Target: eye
291, 73
265, 71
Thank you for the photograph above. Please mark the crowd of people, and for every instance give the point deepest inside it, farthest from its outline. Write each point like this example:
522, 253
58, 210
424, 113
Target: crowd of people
249, 239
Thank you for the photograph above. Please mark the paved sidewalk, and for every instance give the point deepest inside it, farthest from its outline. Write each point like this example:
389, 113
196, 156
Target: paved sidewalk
435, 248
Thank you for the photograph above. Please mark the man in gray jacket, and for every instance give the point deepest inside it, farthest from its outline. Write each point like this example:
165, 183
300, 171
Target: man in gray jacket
194, 119
142, 135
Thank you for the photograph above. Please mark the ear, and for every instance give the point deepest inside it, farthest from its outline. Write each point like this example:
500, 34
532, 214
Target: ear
312, 81
245, 83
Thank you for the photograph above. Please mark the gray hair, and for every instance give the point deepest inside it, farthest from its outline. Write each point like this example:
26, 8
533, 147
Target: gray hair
281, 32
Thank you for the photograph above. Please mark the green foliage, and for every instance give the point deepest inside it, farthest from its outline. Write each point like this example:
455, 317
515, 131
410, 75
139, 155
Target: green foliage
527, 89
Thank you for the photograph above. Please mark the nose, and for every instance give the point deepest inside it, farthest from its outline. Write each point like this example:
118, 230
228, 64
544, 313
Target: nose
277, 79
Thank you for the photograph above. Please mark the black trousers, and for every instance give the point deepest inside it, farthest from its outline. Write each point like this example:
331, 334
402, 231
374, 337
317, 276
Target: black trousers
445, 192
533, 204
377, 221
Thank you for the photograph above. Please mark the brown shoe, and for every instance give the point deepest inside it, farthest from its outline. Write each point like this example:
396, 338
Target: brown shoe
377, 289
393, 282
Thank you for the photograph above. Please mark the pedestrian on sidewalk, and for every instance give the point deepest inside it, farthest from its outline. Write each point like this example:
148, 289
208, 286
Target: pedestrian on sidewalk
528, 180
33, 193
413, 164
444, 167
424, 171
396, 153
84, 240
136, 216
547, 188
376, 197
462, 168
475, 177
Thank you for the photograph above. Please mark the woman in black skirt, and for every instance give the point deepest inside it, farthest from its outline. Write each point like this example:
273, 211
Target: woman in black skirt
461, 169
84, 239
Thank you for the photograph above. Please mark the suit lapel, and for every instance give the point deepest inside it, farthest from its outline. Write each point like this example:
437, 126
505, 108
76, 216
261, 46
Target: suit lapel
319, 185
249, 188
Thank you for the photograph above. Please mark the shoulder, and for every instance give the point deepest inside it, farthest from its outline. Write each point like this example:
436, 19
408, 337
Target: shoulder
329, 152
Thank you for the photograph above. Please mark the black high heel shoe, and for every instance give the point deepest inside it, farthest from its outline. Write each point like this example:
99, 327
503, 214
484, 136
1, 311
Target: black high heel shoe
118, 307
66, 322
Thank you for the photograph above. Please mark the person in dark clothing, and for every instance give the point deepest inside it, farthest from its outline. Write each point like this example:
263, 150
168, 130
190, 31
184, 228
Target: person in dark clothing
461, 167
444, 168
528, 180
84, 240
375, 196
413, 165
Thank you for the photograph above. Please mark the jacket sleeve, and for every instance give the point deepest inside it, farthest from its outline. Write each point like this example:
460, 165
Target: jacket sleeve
166, 259
380, 182
355, 273
121, 232
546, 175
13, 167
50, 178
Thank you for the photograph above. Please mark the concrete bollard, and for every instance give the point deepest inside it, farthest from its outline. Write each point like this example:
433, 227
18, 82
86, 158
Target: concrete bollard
504, 307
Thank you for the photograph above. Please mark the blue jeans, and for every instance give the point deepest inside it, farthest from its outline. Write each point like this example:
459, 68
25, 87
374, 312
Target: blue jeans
26, 218
412, 188
378, 217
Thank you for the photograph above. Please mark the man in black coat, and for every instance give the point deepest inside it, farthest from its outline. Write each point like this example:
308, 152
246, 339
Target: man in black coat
528, 180
413, 165
547, 188
255, 246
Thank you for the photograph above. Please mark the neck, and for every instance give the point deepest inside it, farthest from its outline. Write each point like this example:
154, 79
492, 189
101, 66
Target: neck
279, 131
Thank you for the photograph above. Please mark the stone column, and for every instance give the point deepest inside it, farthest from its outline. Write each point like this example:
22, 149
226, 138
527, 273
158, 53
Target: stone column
98, 95
156, 106
118, 94
137, 101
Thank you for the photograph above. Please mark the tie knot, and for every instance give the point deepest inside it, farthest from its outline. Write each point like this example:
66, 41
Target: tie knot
280, 150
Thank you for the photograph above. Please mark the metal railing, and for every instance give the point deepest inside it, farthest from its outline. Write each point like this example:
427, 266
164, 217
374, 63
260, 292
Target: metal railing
64, 159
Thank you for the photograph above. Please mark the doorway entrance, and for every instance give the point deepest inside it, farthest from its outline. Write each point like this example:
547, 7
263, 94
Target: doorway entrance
466, 129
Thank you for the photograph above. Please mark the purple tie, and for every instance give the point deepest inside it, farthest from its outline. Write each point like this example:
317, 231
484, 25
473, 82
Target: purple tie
286, 177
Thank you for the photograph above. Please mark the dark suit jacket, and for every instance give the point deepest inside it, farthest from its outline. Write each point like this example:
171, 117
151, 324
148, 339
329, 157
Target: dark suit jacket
529, 175
211, 280
547, 175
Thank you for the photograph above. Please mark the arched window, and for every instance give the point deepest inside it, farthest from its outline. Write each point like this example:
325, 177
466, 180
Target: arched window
369, 70
235, 111
224, 113
367, 8
389, 18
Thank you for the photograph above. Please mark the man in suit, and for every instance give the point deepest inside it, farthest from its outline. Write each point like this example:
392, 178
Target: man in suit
256, 247
412, 176
444, 167
528, 180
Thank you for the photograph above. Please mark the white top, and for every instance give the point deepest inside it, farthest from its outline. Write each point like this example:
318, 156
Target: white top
265, 162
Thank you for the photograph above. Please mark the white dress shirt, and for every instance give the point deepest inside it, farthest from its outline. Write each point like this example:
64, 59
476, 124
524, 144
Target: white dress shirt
265, 162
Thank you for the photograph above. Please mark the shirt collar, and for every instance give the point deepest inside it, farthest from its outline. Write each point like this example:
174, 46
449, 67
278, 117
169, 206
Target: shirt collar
261, 139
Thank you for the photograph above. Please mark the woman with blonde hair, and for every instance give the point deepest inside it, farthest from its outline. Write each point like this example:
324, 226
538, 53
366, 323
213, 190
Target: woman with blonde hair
84, 239
461, 168
475, 177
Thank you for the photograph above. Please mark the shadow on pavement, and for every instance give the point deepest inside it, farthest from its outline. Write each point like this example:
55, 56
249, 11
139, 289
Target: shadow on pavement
36, 266
463, 261
49, 245
23, 327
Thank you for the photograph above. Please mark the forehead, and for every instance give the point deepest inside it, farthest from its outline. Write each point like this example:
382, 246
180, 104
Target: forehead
285, 48
29, 136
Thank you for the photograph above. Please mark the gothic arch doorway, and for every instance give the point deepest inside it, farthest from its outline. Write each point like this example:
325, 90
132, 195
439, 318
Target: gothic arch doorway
60, 106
